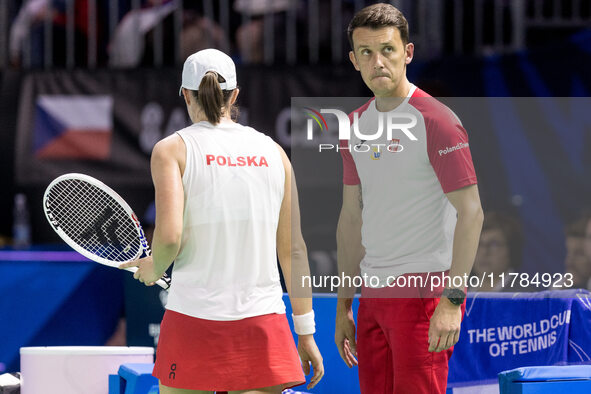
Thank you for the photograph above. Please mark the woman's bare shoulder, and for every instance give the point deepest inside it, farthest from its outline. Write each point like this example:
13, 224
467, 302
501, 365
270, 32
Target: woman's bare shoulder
171, 146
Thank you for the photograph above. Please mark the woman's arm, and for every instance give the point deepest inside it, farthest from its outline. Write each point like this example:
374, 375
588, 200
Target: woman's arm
168, 184
293, 258
291, 248
167, 164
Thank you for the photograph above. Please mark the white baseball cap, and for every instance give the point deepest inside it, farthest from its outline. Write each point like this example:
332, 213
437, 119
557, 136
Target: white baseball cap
206, 60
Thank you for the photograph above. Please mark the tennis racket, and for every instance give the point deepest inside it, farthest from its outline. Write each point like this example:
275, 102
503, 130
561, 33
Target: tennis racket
96, 222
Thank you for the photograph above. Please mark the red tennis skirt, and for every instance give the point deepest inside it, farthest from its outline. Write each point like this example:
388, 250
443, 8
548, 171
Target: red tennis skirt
251, 353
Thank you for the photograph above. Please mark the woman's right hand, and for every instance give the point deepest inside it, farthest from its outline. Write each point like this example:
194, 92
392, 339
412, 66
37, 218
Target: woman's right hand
309, 354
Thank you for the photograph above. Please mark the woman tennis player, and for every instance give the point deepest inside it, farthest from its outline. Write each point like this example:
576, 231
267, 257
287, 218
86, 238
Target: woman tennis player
226, 207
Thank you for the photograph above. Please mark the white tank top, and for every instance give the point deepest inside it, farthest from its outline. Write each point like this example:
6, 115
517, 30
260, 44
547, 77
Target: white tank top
233, 185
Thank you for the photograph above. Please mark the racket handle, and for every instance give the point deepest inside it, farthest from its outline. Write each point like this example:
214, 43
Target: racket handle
163, 282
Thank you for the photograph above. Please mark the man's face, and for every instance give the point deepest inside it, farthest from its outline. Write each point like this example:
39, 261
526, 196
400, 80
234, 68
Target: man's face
381, 57
576, 262
493, 253
587, 244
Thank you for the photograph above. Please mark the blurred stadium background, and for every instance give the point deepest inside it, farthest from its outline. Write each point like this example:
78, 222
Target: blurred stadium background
128, 54
111, 69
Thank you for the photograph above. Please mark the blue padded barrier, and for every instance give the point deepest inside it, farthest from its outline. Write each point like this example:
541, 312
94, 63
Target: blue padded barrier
572, 379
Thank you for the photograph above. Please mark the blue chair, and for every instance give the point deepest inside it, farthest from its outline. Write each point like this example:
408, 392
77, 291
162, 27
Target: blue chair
134, 379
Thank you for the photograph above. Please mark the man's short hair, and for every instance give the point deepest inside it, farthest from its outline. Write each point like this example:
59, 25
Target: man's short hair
578, 227
377, 16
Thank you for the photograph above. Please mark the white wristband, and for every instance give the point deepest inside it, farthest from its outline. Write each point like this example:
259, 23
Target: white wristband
304, 324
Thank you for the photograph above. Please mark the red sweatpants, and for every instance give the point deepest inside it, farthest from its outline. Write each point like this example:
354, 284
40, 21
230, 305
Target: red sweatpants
393, 343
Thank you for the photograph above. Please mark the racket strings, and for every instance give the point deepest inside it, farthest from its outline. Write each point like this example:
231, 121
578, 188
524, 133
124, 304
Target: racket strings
94, 220
95, 231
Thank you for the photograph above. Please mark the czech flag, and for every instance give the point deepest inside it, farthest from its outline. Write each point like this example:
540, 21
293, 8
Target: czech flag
73, 127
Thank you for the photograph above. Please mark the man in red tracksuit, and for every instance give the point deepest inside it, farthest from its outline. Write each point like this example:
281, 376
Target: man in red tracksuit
411, 208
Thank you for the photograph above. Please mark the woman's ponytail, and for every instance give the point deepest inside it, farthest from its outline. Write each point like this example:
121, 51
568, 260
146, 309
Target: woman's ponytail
211, 97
